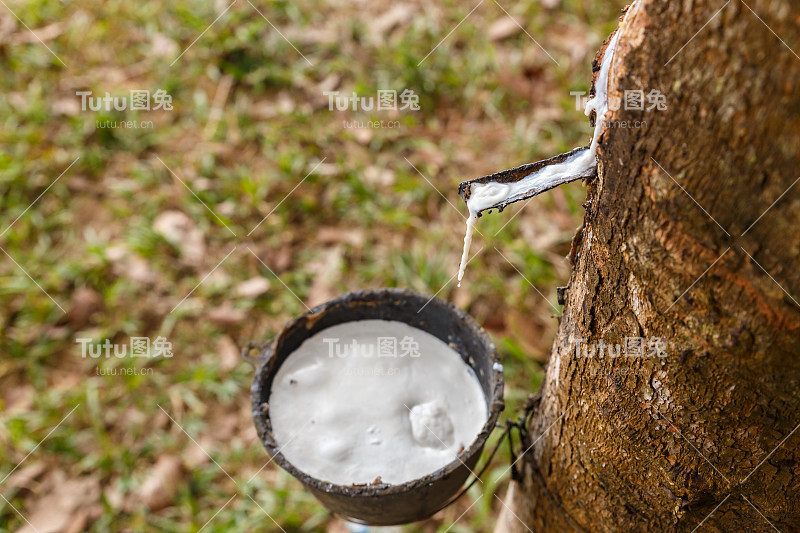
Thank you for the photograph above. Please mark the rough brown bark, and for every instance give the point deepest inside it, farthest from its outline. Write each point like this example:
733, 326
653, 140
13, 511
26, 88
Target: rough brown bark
657, 444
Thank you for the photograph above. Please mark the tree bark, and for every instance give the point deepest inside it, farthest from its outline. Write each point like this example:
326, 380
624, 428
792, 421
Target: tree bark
701, 253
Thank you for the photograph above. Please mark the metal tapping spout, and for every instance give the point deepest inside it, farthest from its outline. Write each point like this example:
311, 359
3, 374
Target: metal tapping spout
529, 180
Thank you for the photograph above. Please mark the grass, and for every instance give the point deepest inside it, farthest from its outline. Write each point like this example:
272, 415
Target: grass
365, 218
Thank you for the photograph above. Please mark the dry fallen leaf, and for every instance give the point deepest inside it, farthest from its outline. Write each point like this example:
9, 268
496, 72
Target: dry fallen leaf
540, 234
503, 28
329, 83
336, 235
114, 497
7, 27
572, 40
228, 353
23, 478
248, 433
397, 15
325, 270
163, 46
66, 106
362, 136
17, 399
253, 287
379, 176
194, 455
226, 315
129, 265
65, 508
160, 487
281, 259
39, 35
183, 233
85, 302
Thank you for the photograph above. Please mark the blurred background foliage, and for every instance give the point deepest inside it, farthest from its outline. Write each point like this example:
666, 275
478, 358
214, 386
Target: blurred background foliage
146, 216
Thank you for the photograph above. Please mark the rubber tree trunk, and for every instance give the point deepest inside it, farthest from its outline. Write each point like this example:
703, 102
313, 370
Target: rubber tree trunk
690, 236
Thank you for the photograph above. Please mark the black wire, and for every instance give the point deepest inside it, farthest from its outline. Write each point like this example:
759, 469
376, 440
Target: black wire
482, 471
520, 425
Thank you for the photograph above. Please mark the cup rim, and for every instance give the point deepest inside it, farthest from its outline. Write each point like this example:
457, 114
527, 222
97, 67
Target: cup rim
260, 409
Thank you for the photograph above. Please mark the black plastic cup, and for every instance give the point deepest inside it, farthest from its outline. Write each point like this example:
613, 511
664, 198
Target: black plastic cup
383, 504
